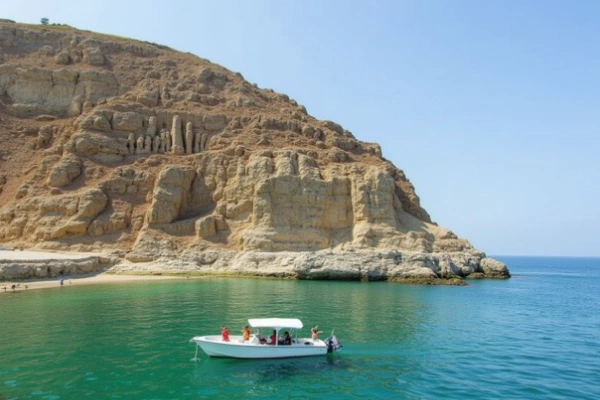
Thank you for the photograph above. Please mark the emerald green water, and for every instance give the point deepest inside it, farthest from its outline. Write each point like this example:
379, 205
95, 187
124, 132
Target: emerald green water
533, 336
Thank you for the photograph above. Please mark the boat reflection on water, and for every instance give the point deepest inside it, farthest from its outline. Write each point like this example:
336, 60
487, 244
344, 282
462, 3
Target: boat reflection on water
274, 370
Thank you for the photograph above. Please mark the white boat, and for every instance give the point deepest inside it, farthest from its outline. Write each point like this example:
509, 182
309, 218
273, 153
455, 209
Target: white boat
256, 347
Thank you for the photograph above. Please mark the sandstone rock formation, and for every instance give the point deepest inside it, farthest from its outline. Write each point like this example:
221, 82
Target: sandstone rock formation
163, 157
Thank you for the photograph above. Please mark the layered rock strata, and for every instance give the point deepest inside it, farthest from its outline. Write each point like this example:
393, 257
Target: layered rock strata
179, 165
19, 265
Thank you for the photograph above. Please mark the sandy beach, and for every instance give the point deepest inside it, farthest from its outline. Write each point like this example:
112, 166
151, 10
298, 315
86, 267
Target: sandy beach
80, 280
87, 279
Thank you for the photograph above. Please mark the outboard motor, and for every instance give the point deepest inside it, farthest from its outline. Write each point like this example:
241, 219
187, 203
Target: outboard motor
332, 343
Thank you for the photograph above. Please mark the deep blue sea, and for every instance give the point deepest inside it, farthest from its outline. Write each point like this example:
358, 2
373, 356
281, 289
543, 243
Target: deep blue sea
534, 336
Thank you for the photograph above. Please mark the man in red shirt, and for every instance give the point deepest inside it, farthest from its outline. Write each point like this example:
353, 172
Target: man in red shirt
224, 334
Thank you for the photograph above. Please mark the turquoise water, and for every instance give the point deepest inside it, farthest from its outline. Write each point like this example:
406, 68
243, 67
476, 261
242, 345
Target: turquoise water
534, 336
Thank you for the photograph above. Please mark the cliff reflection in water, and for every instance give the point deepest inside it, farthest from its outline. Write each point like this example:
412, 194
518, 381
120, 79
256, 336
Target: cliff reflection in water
111, 335
359, 312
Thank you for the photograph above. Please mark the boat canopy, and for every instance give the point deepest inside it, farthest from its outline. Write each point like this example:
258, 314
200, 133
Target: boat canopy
276, 323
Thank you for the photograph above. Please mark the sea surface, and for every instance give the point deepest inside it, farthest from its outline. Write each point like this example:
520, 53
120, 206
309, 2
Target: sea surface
534, 336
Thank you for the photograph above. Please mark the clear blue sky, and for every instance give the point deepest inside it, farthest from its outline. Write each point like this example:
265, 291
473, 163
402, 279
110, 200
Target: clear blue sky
491, 107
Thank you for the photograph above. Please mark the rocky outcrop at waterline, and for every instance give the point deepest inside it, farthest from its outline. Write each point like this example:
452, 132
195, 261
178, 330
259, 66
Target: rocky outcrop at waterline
179, 165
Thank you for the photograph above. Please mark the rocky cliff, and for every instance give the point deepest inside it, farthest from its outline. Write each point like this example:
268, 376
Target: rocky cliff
162, 157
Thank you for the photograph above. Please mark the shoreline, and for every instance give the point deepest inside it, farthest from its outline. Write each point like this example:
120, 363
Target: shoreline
31, 269
90, 278
80, 280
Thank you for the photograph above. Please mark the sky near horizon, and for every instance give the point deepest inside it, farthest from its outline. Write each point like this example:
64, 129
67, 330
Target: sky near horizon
491, 108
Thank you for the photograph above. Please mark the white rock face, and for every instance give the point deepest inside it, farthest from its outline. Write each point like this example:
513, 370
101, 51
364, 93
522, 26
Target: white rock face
171, 194
183, 166
55, 90
40, 269
322, 265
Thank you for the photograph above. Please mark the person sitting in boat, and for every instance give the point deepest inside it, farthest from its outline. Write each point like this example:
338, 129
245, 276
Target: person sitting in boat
246, 333
273, 338
224, 334
287, 339
261, 339
315, 333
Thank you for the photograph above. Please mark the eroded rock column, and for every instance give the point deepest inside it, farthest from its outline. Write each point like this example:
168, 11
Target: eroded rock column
151, 126
189, 138
156, 144
177, 136
197, 142
131, 143
163, 140
140, 145
147, 144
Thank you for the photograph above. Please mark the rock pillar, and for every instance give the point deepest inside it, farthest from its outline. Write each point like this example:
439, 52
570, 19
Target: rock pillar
131, 143
140, 145
189, 138
151, 127
163, 140
156, 144
176, 136
197, 142
169, 144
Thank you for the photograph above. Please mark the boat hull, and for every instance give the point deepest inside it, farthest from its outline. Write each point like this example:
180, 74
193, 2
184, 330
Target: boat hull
213, 346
